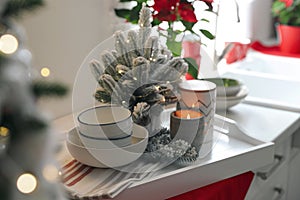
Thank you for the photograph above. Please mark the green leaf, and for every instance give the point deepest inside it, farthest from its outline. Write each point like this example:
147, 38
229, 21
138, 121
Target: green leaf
207, 34
285, 17
174, 47
123, 13
278, 5
297, 22
155, 22
192, 67
134, 13
142, 1
205, 20
188, 25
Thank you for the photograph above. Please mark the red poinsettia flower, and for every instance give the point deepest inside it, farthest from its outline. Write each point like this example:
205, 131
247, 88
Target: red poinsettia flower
165, 10
160, 5
186, 12
165, 15
288, 3
207, 1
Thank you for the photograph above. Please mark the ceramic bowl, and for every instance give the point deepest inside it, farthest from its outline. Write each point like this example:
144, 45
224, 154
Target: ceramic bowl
103, 143
110, 157
224, 103
109, 122
226, 86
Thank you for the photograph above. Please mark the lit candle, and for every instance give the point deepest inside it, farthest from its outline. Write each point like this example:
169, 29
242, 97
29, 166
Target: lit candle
188, 114
188, 125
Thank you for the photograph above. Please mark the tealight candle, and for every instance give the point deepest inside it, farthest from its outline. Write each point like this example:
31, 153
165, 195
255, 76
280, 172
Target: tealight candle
187, 125
200, 95
188, 114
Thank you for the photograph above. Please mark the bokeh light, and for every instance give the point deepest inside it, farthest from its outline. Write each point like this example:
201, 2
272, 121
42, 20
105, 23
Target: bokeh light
4, 131
8, 44
26, 183
50, 173
45, 72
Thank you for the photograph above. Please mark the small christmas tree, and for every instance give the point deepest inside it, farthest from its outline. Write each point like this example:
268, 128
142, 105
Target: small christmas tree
27, 170
138, 72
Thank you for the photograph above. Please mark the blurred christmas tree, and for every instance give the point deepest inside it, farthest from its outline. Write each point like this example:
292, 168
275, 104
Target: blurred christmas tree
27, 170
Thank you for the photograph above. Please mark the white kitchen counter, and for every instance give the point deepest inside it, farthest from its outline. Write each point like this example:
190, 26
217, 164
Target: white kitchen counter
266, 124
229, 157
270, 112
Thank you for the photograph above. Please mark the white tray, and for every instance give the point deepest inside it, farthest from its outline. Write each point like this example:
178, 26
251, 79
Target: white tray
234, 153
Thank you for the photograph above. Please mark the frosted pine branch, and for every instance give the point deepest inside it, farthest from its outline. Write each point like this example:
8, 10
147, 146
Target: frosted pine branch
145, 17
96, 68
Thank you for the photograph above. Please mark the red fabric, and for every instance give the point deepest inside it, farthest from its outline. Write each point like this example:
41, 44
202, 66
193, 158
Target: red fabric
237, 52
234, 188
272, 50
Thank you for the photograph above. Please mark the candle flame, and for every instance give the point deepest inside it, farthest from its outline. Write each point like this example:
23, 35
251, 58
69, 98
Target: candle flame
188, 116
193, 105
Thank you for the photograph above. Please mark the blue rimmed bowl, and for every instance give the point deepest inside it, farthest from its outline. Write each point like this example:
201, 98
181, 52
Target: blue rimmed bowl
105, 142
105, 122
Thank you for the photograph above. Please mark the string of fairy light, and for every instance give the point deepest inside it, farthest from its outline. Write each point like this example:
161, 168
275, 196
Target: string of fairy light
26, 182
9, 45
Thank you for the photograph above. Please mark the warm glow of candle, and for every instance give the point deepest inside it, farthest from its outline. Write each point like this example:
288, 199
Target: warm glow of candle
187, 114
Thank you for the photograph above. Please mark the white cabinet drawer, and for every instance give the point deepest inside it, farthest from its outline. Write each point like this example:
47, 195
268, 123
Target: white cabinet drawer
282, 155
273, 188
284, 148
296, 139
294, 180
270, 182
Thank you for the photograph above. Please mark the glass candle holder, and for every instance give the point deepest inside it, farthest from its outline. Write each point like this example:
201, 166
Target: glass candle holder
187, 125
200, 95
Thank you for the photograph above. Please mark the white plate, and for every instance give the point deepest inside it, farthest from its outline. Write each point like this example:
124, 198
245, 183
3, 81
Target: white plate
110, 157
230, 101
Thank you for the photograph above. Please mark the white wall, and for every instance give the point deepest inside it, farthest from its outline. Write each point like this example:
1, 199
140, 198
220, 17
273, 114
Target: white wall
61, 34
255, 20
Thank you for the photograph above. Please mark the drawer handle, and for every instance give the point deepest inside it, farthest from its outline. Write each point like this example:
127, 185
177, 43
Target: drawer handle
279, 193
265, 175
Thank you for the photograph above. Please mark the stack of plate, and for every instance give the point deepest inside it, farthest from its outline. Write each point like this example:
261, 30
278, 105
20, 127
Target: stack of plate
230, 92
106, 137
107, 157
